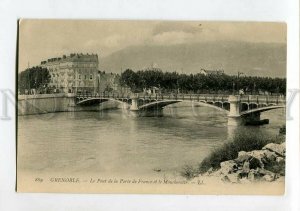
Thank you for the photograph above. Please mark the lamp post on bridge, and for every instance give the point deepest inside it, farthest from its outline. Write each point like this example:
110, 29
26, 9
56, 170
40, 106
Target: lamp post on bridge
238, 77
98, 82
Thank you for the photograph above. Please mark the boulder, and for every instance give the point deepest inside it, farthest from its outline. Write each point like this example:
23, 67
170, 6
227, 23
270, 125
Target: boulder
279, 149
254, 175
269, 178
280, 159
264, 172
242, 157
270, 156
255, 163
228, 167
246, 167
261, 174
233, 178
257, 158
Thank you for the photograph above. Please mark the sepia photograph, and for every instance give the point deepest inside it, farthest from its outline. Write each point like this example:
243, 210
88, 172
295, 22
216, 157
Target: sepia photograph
154, 107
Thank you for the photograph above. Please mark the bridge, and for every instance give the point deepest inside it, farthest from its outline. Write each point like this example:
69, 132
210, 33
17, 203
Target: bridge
239, 109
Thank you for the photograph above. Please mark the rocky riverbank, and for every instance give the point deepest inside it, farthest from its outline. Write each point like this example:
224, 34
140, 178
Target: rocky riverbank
267, 164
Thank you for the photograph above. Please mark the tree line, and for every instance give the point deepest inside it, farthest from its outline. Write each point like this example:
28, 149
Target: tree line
200, 83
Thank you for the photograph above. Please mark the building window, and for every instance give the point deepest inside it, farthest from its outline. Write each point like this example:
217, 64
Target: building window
79, 76
91, 76
85, 77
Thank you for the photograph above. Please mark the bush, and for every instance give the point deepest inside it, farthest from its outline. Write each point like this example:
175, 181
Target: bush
282, 130
189, 172
242, 141
276, 167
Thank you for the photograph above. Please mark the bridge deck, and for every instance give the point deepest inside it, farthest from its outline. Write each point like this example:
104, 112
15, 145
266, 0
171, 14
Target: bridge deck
258, 99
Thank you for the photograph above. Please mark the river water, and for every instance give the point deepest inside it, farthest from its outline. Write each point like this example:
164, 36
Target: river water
118, 143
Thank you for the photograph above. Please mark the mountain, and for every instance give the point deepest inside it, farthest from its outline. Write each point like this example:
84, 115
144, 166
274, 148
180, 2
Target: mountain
261, 59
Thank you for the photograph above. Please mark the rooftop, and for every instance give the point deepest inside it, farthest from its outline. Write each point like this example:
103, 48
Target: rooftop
73, 57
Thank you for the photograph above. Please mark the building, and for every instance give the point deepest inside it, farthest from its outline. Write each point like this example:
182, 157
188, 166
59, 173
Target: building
211, 72
75, 73
108, 82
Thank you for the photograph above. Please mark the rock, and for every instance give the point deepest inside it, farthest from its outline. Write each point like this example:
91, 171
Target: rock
225, 179
246, 167
269, 178
242, 153
269, 156
210, 170
216, 173
268, 175
255, 163
242, 157
228, 167
264, 172
267, 164
233, 178
253, 175
279, 149
258, 158
277, 166
280, 159
261, 174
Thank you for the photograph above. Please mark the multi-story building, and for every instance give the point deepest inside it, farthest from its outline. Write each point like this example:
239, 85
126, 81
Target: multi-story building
211, 72
75, 73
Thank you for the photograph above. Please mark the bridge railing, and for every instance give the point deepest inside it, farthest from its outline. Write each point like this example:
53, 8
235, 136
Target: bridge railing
258, 99
263, 99
194, 97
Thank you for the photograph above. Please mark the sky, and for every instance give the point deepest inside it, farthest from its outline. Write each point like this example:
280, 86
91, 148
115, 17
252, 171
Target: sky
43, 39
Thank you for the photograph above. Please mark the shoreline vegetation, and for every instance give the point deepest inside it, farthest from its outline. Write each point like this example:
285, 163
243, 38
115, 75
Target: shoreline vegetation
247, 157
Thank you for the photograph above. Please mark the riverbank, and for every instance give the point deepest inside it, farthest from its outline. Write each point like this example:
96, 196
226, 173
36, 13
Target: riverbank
244, 160
267, 164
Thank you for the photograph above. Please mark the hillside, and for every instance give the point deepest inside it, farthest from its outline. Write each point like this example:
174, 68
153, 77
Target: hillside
262, 59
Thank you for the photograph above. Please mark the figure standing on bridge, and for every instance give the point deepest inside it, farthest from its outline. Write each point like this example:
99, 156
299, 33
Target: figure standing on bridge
241, 92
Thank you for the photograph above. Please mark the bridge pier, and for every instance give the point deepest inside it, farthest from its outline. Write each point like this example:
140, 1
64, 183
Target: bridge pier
234, 116
134, 104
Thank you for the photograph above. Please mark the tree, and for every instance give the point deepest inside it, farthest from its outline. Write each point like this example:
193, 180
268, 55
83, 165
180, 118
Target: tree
33, 78
130, 78
197, 83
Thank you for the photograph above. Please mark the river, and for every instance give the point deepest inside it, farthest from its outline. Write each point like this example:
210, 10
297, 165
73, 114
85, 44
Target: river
117, 143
